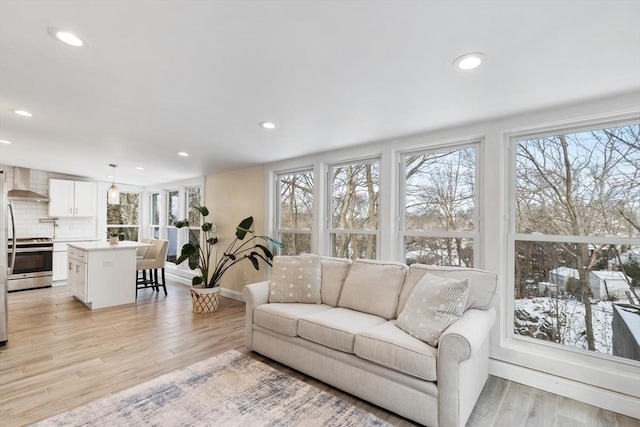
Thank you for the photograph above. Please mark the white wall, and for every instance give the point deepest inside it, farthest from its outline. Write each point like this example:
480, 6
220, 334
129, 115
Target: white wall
607, 382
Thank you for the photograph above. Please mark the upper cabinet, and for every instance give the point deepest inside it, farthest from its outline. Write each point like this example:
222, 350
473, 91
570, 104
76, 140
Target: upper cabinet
72, 198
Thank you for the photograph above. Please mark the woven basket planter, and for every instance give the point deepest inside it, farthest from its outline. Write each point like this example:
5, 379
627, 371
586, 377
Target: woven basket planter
205, 300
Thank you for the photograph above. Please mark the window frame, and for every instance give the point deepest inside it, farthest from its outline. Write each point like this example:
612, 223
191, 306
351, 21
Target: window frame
509, 339
140, 212
277, 227
475, 234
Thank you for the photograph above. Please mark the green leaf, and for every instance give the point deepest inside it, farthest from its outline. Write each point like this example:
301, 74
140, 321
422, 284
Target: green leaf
267, 252
197, 280
278, 243
244, 227
187, 251
231, 256
202, 209
254, 260
180, 224
193, 264
207, 226
212, 240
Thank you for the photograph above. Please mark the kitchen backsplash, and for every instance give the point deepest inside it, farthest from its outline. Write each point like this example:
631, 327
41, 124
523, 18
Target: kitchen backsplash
29, 214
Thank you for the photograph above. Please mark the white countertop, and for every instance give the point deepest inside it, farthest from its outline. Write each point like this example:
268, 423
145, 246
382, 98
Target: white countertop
75, 239
105, 246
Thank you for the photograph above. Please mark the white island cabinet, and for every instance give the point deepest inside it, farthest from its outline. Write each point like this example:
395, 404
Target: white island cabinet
103, 275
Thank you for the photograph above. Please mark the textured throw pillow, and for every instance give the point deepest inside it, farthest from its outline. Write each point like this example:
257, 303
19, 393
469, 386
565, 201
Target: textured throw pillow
296, 279
434, 304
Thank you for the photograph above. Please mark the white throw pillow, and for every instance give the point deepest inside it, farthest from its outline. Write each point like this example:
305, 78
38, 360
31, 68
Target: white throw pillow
296, 279
434, 304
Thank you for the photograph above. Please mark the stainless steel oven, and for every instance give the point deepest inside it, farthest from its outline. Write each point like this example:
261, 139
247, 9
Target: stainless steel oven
30, 263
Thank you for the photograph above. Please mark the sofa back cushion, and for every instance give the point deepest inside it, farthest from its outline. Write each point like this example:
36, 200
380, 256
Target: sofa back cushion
295, 279
373, 287
482, 284
334, 271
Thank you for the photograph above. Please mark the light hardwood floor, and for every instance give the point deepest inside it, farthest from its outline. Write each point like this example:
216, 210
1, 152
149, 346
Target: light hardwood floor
61, 355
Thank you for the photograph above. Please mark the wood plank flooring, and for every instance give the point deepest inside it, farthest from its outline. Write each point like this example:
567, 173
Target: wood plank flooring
61, 355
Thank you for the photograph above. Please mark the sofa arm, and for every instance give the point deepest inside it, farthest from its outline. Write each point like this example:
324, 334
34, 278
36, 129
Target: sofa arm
463, 365
254, 295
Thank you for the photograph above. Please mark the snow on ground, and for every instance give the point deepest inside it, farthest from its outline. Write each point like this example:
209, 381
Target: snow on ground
539, 317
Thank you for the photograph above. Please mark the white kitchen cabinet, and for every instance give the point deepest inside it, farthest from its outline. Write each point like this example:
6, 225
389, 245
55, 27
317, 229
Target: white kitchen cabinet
59, 262
72, 198
102, 275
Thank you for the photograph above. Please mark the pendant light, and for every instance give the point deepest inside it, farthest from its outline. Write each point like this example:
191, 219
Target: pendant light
113, 195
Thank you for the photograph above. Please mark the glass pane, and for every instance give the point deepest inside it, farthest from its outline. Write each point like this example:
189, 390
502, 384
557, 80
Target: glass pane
440, 190
172, 207
296, 201
446, 251
124, 233
353, 246
155, 209
578, 295
580, 184
295, 243
126, 213
193, 199
194, 239
172, 237
355, 196
155, 232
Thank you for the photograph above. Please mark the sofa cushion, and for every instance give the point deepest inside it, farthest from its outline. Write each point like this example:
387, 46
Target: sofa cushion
373, 287
283, 317
334, 271
389, 346
482, 283
295, 279
336, 328
434, 304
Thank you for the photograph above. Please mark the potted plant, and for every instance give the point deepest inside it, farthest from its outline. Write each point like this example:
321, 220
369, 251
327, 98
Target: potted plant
114, 237
201, 256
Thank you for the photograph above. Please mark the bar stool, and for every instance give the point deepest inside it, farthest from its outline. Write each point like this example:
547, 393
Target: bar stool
153, 260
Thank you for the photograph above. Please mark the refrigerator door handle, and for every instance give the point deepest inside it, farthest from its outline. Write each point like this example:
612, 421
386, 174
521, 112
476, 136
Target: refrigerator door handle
13, 235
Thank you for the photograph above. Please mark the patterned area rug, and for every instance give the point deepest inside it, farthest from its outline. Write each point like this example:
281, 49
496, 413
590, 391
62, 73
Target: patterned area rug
229, 389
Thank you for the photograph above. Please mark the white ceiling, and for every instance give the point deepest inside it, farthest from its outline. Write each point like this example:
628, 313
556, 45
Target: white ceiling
160, 77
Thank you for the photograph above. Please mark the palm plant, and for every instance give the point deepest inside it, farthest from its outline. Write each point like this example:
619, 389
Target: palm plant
255, 248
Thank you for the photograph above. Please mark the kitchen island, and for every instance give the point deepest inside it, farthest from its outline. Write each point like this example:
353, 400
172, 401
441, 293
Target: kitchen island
103, 275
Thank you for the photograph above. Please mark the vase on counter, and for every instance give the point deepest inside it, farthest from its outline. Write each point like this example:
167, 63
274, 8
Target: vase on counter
113, 240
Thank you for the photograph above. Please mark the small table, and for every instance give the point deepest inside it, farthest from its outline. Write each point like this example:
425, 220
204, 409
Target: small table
101, 274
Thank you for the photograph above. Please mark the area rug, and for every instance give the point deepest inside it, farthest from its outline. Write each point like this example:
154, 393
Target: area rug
230, 389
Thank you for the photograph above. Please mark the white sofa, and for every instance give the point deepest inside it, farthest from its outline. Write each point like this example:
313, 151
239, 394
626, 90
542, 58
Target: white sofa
350, 339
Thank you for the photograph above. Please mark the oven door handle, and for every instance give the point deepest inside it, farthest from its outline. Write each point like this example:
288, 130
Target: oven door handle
13, 235
24, 250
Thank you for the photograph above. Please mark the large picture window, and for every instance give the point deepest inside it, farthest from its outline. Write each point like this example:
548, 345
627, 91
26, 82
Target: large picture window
295, 211
124, 219
439, 205
575, 238
354, 209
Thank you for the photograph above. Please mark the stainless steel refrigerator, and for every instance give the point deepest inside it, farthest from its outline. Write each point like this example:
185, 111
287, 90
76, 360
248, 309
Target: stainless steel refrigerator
4, 264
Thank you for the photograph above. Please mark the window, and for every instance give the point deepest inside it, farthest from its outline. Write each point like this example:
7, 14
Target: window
294, 211
194, 234
123, 219
354, 209
575, 238
154, 220
173, 206
439, 224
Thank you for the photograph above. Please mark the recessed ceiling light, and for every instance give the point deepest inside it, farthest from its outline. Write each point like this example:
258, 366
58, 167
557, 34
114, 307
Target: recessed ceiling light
4, 141
469, 61
268, 125
140, 168
66, 37
23, 113
183, 154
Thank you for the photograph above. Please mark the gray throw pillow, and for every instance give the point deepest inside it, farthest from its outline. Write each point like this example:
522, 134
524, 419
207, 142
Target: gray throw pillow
296, 279
434, 304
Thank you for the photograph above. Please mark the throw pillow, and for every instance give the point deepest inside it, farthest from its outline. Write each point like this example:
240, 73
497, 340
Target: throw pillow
434, 304
296, 279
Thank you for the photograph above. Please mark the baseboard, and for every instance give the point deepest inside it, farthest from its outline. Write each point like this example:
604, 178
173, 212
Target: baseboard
605, 399
179, 279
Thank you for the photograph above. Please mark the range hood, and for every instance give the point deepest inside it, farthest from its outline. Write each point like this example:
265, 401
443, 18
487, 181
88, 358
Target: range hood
21, 184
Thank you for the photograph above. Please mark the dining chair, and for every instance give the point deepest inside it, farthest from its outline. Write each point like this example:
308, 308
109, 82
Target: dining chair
153, 261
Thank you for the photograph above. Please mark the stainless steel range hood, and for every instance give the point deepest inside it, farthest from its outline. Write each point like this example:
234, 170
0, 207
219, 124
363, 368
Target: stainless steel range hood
21, 184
